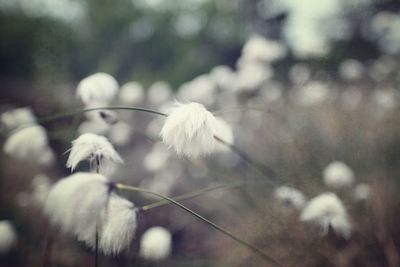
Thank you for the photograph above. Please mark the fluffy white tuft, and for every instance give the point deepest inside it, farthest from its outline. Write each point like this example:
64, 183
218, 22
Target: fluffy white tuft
41, 185
78, 204
119, 225
29, 144
157, 158
337, 175
8, 236
91, 147
290, 196
98, 87
327, 210
190, 130
155, 244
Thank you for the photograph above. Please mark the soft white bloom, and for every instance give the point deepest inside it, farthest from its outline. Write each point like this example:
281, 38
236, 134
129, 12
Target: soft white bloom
120, 133
14, 118
224, 78
251, 76
225, 133
200, 89
155, 244
159, 93
260, 49
190, 130
385, 98
131, 93
30, 144
351, 70
94, 126
312, 93
119, 225
299, 73
94, 148
41, 185
337, 175
326, 210
8, 236
157, 158
290, 196
99, 87
82, 205
361, 192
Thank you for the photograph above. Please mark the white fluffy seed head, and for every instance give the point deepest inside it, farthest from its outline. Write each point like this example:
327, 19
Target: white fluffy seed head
327, 210
157, 158
338, 175
155, 244
29, 144
41, 185
290, 196
8, 236
73, 200
99, 87
81, 205
119, 225
91, 147
190, 129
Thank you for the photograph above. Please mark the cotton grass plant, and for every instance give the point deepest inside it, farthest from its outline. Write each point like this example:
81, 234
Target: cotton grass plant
292, 142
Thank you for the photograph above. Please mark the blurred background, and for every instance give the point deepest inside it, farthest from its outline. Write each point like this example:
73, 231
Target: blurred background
316, 82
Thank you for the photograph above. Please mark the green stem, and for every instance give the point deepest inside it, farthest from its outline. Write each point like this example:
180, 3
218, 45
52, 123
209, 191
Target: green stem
217, 227
190, 195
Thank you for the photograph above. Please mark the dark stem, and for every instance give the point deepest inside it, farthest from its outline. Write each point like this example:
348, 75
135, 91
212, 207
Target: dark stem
96, 249
215, 226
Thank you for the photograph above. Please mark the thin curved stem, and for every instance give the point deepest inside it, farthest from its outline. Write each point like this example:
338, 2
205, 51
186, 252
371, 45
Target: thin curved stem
191, 195
264, 170
217, 227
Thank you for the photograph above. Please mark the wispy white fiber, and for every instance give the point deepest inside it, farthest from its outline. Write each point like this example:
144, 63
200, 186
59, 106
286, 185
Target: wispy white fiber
8, 236
338, 175
80, 204
29, 144
290, 196
362, 192
98, 87
91, 147
190, 129
327, 211
155, 244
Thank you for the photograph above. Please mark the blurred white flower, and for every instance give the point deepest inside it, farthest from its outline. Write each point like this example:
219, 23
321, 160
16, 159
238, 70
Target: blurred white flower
250, 76
82, 205
351, 70
290, 196
94, 126
120, 133
155, 244
131, 93
385, 98
12, 119
327, 211
299, 73
225, 133
8, 236
338, 175
97, 88
30, 144
159, 93
190, 129
94, 148
157, 158
41, 185
313, 93
258, 48
361, 192
200, 89
223, 77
